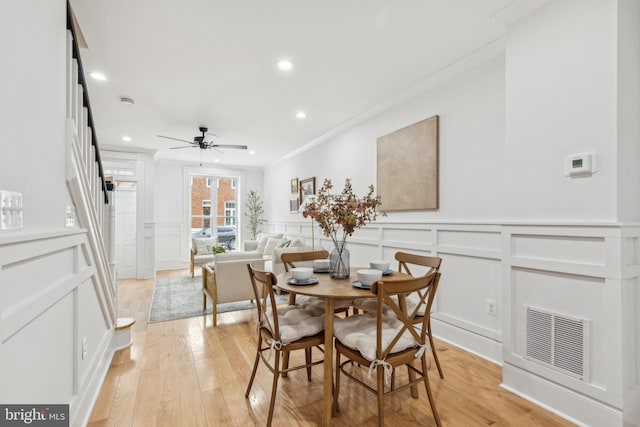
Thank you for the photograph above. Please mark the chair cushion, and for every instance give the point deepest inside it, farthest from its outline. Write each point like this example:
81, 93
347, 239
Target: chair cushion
370, 304
359, 333
204, 245
297, 322
306, 300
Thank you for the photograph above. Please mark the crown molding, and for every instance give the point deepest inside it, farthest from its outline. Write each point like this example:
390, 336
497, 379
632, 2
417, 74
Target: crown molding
516, 10
457, 67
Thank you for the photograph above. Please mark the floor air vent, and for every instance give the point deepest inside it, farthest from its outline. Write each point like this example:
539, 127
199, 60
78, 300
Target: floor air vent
557, 341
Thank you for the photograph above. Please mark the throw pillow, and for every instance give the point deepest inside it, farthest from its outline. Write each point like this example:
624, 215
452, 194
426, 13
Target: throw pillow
272, 243
204, 245
285, 243
296, 243
263, 239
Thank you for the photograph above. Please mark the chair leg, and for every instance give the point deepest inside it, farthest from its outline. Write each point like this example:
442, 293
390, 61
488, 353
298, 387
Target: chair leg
412, 377
380, 393
274, 388
255, 368
285, 363
432, 402
307, 357
336, 390
433, 350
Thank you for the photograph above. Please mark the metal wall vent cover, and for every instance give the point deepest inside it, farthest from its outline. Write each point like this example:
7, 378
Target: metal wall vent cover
558, 341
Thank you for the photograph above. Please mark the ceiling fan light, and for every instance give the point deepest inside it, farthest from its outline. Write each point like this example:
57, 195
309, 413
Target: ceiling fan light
126, 138
252, 153
301, 115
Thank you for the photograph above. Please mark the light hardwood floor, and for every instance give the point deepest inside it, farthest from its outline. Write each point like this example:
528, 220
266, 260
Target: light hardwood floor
188, 373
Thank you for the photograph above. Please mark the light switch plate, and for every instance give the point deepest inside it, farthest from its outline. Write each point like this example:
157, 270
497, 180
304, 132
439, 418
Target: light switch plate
11, 211
70, 216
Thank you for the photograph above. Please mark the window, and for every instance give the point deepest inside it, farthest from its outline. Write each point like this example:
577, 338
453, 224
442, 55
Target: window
212, 206
230, 213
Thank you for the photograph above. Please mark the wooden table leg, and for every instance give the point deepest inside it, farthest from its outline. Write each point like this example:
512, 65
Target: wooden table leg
327, 398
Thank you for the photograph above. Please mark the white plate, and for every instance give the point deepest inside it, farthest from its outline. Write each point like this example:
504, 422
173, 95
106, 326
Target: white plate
357, 284
309, 281
321, 270
387, 272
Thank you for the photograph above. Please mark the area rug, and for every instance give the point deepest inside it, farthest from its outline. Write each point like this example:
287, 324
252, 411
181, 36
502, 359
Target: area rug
181, 297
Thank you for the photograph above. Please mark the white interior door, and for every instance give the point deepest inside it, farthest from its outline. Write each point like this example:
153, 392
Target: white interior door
125, 236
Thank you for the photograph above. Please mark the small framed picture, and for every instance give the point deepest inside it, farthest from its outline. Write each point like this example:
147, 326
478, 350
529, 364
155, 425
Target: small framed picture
294, 205
307, 187
294, 186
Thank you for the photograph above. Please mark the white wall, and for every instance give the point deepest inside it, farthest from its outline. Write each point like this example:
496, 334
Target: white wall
32, 109
171, 191
471, 110
628, 56
561, 100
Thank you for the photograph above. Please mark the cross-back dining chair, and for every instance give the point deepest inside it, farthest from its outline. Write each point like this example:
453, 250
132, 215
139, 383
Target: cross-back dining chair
381, 342
405, 262
293, 259
282, 330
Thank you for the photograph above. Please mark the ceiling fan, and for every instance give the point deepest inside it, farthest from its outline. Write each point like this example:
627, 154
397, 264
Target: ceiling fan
204, 142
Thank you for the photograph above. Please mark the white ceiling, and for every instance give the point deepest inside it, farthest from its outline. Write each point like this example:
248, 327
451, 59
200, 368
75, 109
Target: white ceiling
213, 62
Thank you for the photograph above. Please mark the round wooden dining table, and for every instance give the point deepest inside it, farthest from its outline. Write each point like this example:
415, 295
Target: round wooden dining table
330, 290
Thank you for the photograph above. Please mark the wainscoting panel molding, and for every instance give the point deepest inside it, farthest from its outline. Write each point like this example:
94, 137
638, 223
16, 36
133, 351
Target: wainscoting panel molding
51, 300
577, 270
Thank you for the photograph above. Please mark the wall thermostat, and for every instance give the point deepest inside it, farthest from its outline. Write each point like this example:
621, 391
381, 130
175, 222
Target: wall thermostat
580, 164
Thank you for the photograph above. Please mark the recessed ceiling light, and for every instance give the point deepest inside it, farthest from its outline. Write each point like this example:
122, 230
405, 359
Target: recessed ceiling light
252, 153
285, 65
96, 75
301, 114
216, 160
126, 138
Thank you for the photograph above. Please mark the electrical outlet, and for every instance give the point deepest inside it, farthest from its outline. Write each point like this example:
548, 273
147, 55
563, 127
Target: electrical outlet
84, 347
492, 307
11, 211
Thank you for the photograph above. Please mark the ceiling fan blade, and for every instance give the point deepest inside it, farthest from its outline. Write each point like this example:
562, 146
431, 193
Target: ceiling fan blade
186, 146
238, 147
175, 139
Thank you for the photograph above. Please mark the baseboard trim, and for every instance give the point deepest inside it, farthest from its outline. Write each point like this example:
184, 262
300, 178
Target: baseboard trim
87, 398
468, 341
566, 403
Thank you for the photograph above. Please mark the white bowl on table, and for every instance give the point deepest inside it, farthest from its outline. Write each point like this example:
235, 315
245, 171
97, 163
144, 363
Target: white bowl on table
301, 273
379, 265
321, 264
369, 276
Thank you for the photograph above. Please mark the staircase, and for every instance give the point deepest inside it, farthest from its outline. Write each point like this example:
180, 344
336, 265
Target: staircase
85, 178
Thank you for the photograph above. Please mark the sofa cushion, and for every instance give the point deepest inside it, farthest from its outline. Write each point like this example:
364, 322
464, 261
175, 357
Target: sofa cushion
204, 245
233, 256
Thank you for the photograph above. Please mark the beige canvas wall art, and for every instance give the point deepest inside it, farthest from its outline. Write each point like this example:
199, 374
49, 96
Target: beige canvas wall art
408, 167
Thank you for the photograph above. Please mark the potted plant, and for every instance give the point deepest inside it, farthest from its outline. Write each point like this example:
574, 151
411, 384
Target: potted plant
255, 209
338, 215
